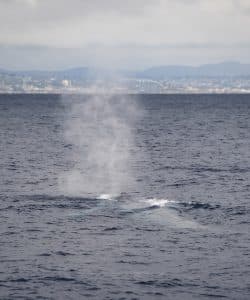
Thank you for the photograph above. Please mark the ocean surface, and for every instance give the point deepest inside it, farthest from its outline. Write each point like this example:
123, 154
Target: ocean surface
177, 225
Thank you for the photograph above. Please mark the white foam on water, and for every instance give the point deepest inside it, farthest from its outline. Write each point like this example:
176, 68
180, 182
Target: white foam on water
147, 203
159, 202
105, 197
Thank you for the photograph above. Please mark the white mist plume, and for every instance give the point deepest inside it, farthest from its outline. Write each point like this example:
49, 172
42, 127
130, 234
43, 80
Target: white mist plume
100, 129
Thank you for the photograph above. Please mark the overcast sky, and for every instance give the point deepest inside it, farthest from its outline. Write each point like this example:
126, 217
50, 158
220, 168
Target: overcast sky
56, 34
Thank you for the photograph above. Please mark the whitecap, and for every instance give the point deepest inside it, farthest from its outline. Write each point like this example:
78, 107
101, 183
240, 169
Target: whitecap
105, 197
159, 202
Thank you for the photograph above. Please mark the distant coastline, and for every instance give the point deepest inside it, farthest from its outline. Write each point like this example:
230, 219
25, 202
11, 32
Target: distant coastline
222, 78
127, 93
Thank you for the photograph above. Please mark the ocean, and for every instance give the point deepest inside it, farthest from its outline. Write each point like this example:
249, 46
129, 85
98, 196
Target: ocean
124, 197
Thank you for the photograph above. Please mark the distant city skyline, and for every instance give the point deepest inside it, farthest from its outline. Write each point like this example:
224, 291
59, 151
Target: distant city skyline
59, 34
231, 77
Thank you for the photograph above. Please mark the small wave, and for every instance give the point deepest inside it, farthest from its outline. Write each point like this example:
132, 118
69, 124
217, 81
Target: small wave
62, 253
71, 280
54, 198
159, 283
198, 205
19, 280
44, 254
134, 262
201, 168
239, 210
58, 278
112, 228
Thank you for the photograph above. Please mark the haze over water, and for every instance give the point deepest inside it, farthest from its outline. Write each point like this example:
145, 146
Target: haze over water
161, 214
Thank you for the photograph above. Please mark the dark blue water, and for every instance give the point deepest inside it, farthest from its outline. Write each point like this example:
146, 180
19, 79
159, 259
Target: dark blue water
180, 232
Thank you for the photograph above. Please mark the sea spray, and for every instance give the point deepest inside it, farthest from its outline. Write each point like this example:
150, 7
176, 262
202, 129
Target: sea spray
100, 130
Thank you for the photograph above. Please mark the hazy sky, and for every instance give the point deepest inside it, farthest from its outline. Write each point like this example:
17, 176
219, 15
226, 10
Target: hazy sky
122, 33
